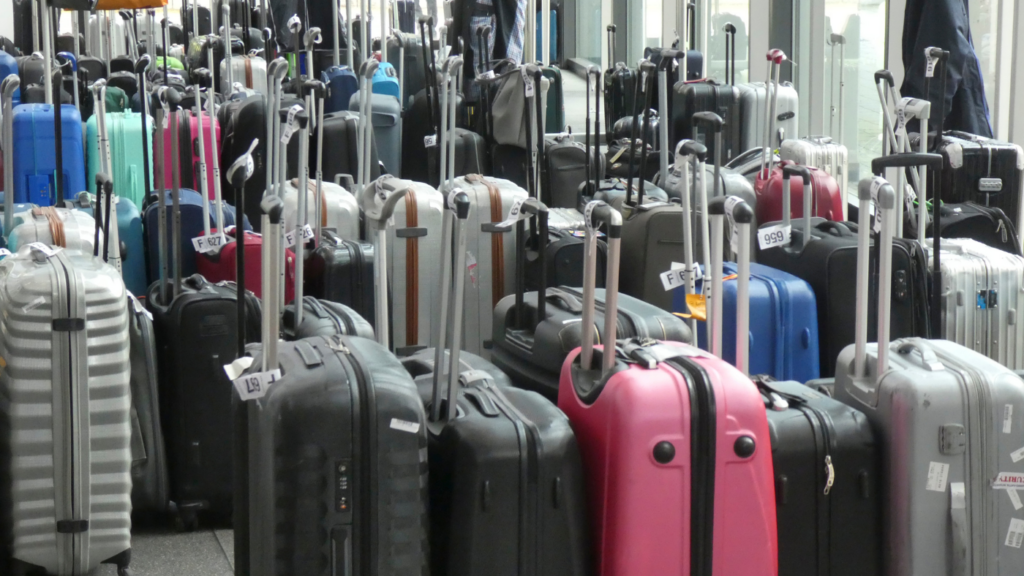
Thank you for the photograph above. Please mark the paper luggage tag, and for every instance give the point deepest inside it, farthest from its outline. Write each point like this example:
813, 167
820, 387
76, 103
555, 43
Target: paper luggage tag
774, 236
515, 214
289, 237
209, 244
250, 386
290, 127
734, 233
527, 83
49, 251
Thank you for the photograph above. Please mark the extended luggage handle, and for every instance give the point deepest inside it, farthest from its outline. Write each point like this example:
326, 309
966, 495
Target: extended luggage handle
590, 184
775, 59
366, 71
457, 206
539, 212
868, 190
595, 214
730, 53
201, 77
273, 213
229, 73
378, 203
140, 71
885, 85
646, 80
450, 74
309, 41
58, 139
788, 171
276, 72
103, 143
7, 88
837, 40
685, 151
68, 59
742, 215
165, 102
906, 110
319, 93
238, 174
535, 156
302, 119
715, 123
668, 59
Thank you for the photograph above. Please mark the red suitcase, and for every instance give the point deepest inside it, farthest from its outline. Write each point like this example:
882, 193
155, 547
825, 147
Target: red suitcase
675, 446
828, 199
188, 135
220, 266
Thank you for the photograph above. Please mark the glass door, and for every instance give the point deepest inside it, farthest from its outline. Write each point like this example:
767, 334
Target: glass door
722, 12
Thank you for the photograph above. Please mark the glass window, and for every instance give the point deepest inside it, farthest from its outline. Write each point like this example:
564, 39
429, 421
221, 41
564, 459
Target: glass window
858, 124
590, 34
984, 18
737, 13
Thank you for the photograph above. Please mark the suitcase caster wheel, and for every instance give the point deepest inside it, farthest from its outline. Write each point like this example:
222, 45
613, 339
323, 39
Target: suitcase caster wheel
186, 523
124, 572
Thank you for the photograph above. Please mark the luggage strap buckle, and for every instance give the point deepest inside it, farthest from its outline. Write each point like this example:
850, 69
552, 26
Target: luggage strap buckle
72, 526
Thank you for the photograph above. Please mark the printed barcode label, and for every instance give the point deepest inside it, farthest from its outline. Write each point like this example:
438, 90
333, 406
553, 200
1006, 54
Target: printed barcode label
1015, 499
405, 425
1015, 536
938, 472
773, 236
289, 237
929, 72
1008, 419
289, 128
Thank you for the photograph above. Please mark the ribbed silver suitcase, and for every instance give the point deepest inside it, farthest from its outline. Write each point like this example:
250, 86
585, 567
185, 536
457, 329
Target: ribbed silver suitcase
981, 294
490, 257
823, 153
413, 259
33, 226
753, 118
950, 421
65, 425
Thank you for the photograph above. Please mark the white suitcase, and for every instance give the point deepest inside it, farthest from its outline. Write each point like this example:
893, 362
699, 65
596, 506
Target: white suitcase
104, 46
339, 209
752, 117
65, 423
249, 71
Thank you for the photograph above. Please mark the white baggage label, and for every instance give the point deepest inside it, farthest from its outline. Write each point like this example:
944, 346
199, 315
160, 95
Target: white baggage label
430, 141
929, 73
1017, 455
405, 426
876, 185
48, 250
938, 472
778, 235
676, 277
734, 232
4, 252
289, 237
253, 386
527, 83
1008, 419
290, 128
205, 244
1015, 536
515, 214
1009, 480
1015, 499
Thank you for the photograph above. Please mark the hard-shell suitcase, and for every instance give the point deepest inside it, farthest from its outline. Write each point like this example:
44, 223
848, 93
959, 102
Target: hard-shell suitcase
58, 227
486, 435
106, 36
341, 148
341, 270
566, 170
405, 51
352, 477
982, 170
386, 115
828, 471
219, 266
339, 209
323, 318
948, 418
243, 121
676, 451
823, 153
34, 156
690, 98
124, 131
827, 195
188, 134
66, 422
249, 71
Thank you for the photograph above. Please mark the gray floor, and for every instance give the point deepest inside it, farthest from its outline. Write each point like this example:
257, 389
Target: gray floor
201, 553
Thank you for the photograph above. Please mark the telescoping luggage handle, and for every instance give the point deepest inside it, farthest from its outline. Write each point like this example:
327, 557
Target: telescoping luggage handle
886, 87
834, 112
112, 249
273, 212
7, 88
878, 190
775, 59
595, 214
668, 59
450, 75
378, 204
457, 207
906, 110
238, 174
365, 133
645, 83
685, 151
169, 103
593, 167
742, 215
788, 171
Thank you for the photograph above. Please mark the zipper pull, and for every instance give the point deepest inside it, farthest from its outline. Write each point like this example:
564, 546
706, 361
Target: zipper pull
337, 345
831, 474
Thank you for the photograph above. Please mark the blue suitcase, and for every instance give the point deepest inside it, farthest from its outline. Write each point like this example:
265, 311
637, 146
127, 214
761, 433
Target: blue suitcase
385, 80
342, 83
129, 232
35, 155
191, 205
783, 324
8, 67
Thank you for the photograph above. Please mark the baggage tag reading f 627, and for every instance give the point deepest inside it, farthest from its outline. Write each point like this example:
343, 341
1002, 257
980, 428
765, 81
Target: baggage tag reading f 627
778, 235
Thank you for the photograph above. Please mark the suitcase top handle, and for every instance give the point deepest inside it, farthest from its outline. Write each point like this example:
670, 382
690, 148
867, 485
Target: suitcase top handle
868, 189
598, 213
741, 215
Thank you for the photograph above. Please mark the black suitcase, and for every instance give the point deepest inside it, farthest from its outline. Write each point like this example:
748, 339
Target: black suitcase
323, 318
988, 225
331, 463
196, 331
150, 483
341, 270
565, 170
23, 25
340, 148
205, 23
988, 173
827, 483
121, 64
829, 262
92, 69
126, 81
708, 96
530, 342
619, 94
484, 438
242, 121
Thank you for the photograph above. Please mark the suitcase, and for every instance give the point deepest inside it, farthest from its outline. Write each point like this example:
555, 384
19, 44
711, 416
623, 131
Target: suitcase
975, 277
554, 109
188, 134
218, 267
988, 172
490, 259
204, 20
828, 482
619, 88
937, 495
341, 270
323, 318
341, 433
499, 434
242, 121
106, 36
387, 127
823, 153
758, 103
385, 81
35, 159
339, 208
58, 227
988, 225
826, 194
341, 148
689, 98
150, 483
565, 170
9, 67
66, 414
124, 132
249, 71
405, 52
673, 429
531, 342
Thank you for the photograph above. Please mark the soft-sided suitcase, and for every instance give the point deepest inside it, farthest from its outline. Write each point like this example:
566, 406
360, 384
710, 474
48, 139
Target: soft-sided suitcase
323, 318
676, 450
476, 432
949, 421
331, 466
243, 121
342, 84
533, 335
124, 132
986, 224
828, 470
66, 422
34, 156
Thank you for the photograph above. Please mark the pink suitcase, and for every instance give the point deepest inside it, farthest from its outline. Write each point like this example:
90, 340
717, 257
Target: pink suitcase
188, 171
672, 491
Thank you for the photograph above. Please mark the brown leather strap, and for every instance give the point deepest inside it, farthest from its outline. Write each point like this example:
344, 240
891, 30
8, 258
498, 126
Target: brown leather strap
311, 186
55, 223
412, 273
497, 245
248, 73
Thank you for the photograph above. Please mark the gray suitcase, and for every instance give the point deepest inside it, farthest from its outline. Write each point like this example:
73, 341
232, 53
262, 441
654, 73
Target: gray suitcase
949, 420
490, 260
752, 115
65, 423
386, 116
35, 226
981, 293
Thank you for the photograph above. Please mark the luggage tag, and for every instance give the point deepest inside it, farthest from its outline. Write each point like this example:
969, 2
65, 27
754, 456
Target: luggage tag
290, 127
289, 237
515, 213
210, 244
929, 71
250, 386
876, 185
4, 252
527, 83
676, 275
775, 236
734, 232
47, 250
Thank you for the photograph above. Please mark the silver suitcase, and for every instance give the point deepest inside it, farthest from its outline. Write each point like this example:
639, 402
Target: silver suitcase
752, 116
490, 257
823, 153
339, 208
981, 293
950, 422
65, 425
101, 44
249, 71
79, 229
413, 257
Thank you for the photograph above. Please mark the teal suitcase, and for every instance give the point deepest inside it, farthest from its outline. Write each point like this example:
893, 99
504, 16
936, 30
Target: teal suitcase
124, 130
